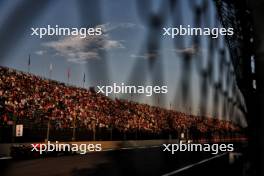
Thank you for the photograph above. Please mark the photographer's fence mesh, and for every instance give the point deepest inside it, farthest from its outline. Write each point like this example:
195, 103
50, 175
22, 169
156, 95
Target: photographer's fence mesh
209, 78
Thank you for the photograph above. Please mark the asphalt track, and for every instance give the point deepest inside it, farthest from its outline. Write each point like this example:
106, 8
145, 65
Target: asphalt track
140, 161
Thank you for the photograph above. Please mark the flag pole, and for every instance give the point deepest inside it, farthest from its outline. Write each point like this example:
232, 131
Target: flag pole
29, 63
83, 79
68, 75
50, 70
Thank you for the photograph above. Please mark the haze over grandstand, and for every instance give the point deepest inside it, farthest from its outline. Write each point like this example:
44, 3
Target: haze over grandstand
117, 56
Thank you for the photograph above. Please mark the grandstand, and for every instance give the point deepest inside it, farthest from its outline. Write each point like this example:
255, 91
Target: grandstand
52, 110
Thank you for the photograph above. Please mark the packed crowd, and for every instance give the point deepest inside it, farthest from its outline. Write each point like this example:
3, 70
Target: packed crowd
26, 97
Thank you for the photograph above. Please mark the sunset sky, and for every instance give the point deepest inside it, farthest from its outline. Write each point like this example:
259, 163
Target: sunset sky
130, 50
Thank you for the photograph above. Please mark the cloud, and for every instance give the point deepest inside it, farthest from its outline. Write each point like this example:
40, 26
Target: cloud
108, 27
190, 50
40, 52
145, 56
154, 54
79, 50
193, 50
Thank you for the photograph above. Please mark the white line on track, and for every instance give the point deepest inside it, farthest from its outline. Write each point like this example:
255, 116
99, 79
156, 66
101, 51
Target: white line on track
125, 148
192, 165
107, 150
5, 158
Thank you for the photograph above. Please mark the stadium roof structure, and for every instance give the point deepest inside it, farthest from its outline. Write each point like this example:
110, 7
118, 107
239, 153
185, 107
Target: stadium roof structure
237, 15
247, 52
